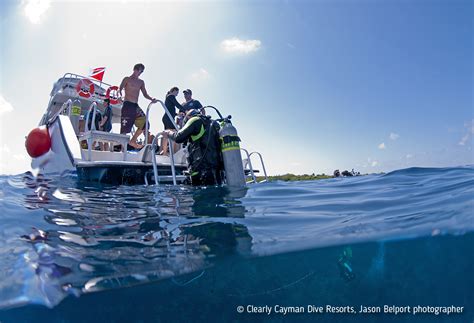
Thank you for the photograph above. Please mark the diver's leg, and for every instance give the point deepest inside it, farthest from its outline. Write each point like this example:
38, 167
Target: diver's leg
164, 144
133, 141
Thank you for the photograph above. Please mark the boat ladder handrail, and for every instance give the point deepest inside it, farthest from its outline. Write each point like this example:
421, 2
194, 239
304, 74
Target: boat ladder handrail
154, 146
252, 171
148, 114
262, 163
254, 179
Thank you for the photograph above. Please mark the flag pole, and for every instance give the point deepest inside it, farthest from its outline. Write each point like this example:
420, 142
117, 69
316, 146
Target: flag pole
102, 77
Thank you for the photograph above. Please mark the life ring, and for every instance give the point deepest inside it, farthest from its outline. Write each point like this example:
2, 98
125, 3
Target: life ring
84, 83
115, 98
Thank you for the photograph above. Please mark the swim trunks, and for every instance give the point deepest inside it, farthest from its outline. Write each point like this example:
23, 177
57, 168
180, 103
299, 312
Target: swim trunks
132, 114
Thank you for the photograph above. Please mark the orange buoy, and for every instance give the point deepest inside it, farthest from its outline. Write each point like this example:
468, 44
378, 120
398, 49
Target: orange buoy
38, 142
113, 98
89, 88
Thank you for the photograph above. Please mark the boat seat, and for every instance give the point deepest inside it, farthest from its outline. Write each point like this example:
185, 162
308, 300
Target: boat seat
95, 135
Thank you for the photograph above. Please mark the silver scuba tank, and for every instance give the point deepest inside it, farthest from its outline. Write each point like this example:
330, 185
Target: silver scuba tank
230, 148
75, 115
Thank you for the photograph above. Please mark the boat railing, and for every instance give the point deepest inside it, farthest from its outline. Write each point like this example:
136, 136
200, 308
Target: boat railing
92, 109
64, 110
62, 81
249, 161
91, 134
262, 163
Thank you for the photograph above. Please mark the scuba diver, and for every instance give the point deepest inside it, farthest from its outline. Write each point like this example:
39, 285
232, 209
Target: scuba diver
204, 160
344, 265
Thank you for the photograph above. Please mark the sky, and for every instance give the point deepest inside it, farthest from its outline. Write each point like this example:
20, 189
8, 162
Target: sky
313, 85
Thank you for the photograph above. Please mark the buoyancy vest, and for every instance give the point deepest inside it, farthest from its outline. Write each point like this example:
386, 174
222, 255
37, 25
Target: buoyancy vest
204, 146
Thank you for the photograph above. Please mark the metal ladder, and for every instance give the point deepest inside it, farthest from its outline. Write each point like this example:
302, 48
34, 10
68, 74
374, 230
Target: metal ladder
154, 146
252, 171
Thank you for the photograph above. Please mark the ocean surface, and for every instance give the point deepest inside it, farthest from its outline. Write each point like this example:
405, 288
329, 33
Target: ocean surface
310, 251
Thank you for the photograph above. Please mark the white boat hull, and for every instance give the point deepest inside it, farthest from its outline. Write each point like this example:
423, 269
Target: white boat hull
130, 167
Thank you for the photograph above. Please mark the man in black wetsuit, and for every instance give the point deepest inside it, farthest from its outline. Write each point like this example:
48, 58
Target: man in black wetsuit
204, 160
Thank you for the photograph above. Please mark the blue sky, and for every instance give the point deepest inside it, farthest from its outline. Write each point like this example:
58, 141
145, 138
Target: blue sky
313, 85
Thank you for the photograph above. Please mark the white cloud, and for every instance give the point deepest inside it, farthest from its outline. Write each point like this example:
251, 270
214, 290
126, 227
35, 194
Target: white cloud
470, 131
4, 149
236, 45
464, 139
34, 9
5, 106
374, 163
202, 74
408, 156
394, 136
382, 146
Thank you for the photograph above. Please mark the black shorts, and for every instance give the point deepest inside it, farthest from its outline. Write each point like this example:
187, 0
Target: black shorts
167, 123
131, 114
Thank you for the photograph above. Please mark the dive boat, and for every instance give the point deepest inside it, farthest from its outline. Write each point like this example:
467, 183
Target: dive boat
63, 141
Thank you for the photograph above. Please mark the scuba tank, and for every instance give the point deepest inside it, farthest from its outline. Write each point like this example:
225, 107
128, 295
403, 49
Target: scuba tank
75, 115
230, 148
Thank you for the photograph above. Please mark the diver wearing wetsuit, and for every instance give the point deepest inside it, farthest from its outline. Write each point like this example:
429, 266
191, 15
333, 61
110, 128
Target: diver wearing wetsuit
204, 160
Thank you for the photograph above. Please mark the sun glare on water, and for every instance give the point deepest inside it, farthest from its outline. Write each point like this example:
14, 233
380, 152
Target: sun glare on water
34, 9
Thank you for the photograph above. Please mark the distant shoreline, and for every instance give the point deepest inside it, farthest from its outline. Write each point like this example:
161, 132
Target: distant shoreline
304, 177
293, 177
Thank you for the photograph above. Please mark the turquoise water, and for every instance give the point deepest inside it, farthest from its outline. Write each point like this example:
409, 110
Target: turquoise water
74, 252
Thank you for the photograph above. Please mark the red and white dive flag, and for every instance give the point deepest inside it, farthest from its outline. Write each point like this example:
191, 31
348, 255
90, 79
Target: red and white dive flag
98, 73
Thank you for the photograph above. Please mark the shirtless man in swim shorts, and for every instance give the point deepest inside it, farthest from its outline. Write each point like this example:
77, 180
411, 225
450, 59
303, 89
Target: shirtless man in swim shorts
131, 112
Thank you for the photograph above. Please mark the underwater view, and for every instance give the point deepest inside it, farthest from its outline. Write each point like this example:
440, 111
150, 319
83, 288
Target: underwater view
395, 247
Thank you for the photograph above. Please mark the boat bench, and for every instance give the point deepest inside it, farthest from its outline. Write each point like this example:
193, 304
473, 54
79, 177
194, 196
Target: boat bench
94, 135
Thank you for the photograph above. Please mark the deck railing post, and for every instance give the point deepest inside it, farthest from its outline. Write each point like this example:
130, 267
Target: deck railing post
153, 159
173, 171
92, 108
146, 122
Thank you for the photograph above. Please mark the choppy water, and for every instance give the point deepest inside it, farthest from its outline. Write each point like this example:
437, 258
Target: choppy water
180, 253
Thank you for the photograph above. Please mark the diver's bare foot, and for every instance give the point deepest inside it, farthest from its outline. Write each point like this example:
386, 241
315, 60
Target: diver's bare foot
135, 145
